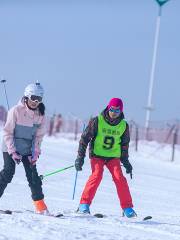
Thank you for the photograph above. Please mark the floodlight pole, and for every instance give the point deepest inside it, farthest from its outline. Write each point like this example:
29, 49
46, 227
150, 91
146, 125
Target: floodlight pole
149, 107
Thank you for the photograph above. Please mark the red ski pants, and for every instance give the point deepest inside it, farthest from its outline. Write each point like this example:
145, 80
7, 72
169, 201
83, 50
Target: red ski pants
97, 166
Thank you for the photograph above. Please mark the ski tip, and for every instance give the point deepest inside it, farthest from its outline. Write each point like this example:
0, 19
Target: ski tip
6, 212
58, 215
147, 218
98, 215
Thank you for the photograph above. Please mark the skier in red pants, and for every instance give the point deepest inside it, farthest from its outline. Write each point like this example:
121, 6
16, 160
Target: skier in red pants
108, 135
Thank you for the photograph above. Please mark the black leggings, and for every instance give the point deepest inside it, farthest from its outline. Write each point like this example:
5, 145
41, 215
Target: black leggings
33, 179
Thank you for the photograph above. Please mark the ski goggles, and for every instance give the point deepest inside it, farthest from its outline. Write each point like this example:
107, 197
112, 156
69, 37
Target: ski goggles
117, 111
36, 99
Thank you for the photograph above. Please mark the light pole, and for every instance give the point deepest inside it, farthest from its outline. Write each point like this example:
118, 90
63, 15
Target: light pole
149, 107
3, 81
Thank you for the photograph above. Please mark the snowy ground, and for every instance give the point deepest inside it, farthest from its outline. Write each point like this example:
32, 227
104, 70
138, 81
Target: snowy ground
155, 188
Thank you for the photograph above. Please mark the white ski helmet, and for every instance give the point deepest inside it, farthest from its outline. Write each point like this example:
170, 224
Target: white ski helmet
34, 89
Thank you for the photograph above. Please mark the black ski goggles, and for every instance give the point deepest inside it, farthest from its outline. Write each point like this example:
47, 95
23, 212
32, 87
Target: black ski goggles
36, 99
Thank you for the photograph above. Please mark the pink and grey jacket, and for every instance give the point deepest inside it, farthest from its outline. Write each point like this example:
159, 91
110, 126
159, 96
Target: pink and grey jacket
23, 131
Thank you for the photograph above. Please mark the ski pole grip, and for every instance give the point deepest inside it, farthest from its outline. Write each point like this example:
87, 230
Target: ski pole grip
3, 81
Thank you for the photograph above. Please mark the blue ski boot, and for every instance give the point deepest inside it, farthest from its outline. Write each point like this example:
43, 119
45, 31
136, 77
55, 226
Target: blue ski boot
83, 208
129, 212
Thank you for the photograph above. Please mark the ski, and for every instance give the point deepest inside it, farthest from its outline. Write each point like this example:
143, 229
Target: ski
139, 218
59, 215
56, 215
98, 215
147, 218
80, 214
10, 212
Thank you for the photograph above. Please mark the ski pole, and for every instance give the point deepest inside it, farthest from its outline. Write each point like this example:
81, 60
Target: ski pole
131, 175
57, 171
75, 181
3, 81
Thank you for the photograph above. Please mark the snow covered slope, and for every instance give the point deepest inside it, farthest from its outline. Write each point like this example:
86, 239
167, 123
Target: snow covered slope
155, 188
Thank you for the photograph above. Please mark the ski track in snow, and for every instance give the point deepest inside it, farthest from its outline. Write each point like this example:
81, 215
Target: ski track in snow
155, 189
30, 226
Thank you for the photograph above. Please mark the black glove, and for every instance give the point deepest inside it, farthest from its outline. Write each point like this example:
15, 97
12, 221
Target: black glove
128, 167
79, 163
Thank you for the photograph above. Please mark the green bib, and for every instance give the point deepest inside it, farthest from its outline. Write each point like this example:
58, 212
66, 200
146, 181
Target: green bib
108, 140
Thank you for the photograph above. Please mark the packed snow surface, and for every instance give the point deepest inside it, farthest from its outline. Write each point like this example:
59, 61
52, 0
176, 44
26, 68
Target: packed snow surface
155, 189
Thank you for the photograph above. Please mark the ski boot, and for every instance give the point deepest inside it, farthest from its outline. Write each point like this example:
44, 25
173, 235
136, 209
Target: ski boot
41, 208
129, 212
83, 208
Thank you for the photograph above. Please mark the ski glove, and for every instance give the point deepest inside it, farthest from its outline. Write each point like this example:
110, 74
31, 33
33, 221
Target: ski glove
128, 167
79, 163
34, 159
16, 157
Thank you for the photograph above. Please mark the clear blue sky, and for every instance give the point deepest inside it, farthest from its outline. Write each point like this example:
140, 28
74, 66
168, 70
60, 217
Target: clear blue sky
85, 52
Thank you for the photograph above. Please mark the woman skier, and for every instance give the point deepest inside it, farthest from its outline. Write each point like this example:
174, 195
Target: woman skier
22, 136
